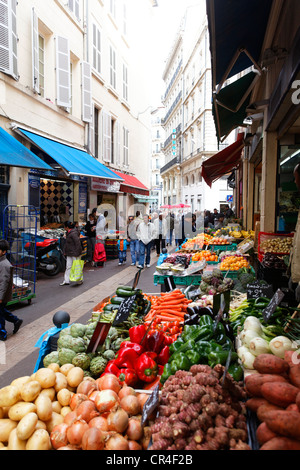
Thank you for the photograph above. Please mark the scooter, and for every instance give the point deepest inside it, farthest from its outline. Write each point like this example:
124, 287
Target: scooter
47, 262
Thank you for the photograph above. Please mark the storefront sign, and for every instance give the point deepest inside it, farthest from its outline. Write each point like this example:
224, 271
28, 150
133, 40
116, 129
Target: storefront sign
82, 198
104, 185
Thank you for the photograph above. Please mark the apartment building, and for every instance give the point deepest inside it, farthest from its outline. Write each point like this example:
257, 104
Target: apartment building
189, 124
157, 158
74, 95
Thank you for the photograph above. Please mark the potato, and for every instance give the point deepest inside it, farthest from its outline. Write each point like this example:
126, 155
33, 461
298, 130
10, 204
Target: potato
27, 426
46, 377
254, 382
30, 390
254, 403
263, 409
285, 423
49, 392
14, 443
9, 395
60, 381
1, 413
6, 426
264, 434
56, 406
66, 368
43, 407
270, 364
75, 376
55, 419
20, 381
55, 367
21, 409
40, 440
65, 410
280, 394
64, 397
40, 425
281, 443
294, 375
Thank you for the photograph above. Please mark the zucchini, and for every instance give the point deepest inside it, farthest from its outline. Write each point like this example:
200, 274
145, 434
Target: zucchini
117, 300
110, 307
127, 293
128, 288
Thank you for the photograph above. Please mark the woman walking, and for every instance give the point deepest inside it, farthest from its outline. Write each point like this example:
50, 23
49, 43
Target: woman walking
72, 250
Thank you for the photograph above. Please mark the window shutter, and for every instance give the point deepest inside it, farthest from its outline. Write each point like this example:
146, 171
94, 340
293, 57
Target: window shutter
74, 7
35, 53
63, 72
87, 108
106, 129
92, 133
8, 37
96, 49
117, 143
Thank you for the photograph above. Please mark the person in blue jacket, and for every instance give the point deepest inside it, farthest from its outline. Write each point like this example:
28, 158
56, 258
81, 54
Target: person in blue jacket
122, 250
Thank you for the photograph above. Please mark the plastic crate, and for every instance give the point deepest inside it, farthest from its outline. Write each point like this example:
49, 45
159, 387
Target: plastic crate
179, 280
263, 236
231, 247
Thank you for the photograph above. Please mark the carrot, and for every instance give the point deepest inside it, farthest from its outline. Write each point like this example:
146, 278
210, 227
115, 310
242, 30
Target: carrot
172, 312
164, 318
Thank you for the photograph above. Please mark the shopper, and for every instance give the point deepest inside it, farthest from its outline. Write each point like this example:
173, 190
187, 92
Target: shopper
122, 250
228, 213
294, 267
101, 227
6, 285
160, 226
90, 230
170, 220
145, 234
134, 243
72, 250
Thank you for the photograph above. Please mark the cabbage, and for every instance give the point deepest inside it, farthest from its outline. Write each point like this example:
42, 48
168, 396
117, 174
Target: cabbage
51, 358
77, 330
81, 360
66, 356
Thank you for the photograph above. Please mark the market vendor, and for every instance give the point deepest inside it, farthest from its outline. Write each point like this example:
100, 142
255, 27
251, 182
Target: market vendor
295, 252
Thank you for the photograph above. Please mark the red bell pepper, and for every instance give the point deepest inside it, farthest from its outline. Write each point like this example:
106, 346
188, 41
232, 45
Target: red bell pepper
155, 341
111, 368
128, 376
137, 333
168, 340
135, 346
163, 356
126, 356
146, 367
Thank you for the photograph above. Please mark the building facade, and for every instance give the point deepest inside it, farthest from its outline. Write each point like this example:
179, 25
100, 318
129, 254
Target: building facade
157, 159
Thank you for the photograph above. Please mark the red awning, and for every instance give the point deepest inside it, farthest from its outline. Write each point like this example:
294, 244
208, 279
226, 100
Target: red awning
132, 185
223, 162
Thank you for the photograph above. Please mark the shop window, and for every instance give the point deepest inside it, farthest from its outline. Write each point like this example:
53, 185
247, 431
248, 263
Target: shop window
288, 195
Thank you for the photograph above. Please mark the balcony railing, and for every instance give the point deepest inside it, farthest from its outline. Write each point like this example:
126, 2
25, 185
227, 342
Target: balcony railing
174, 104
174, 161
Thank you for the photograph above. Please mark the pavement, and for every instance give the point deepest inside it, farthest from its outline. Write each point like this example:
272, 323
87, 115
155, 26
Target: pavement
18, 354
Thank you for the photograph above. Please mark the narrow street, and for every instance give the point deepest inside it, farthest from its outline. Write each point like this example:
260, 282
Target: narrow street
78, 301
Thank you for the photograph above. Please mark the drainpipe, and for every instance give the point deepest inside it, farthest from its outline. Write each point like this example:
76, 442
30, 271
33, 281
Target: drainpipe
86, 56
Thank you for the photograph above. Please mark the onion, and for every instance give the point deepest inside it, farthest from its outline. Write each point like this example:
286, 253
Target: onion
109, 382
117, 420
100, 423
126, 390
131, 405
76, 431
93, 439
106, 400
68, 448
117, 442
134, 430
58, 436
76, 399
85, 387
70, 417
280, 344
92, 395
259, 346
134, 445
142, 398
87, 410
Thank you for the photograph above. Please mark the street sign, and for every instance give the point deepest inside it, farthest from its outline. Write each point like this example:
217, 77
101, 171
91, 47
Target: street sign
229, 198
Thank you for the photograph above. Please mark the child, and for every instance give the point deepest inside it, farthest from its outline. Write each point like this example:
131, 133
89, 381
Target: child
6, 283
122, 248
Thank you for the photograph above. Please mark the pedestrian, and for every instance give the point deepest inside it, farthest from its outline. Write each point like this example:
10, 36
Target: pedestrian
294, 265
122, 250
220, 222
72, 250
145, 234
160, 226
101, 227
132, 238
170, 220
90, 230
6, 285
228, 213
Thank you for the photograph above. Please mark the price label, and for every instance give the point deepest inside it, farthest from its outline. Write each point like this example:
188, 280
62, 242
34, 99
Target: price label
256, 290
275, 301
150, 405
124, 310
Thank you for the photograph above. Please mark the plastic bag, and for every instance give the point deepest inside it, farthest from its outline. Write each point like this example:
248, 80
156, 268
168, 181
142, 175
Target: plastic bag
76, 274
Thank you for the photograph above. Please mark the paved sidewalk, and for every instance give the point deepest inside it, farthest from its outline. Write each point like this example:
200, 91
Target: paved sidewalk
18, 347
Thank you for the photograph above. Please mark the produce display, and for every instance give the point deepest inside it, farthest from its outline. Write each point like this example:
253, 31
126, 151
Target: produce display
276, 245
234, 263
214, 282
270, 260
219, 241
205, 254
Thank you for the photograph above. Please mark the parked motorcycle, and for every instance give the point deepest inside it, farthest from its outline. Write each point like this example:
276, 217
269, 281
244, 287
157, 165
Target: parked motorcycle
46, 261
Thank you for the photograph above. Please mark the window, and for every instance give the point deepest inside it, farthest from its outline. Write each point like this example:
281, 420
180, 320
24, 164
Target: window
157, 164
124, 19
41, 67
112, 8
8, 38
96, 48
125, 146
125, 82
96, 132
63, 72
74, 7
106, 136
87, 103
112, 64
71, 87
156, 180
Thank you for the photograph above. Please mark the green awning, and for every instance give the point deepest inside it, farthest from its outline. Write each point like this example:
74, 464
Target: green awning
230, 104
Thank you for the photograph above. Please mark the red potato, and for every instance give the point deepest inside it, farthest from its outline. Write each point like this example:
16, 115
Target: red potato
294, 375
281, 443
280, 394
263, 409
264, 434
285, 423
254, 382
254, 403
270, 364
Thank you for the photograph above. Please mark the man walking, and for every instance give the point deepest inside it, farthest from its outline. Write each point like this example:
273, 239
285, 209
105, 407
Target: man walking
146, 234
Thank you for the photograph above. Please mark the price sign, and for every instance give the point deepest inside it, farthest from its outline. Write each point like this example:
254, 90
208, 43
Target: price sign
256, 290
150, 405
275, 301
124, 310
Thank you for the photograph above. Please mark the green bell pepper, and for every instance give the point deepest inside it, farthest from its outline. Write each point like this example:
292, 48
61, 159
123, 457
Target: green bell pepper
188, 331
167, 372
227, 344
176, 345
205, 320
193, 356
214, 346
186, 346
236, 371
181, 362
203, 347
220, 357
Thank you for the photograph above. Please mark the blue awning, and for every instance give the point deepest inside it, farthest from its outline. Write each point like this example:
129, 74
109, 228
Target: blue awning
71, 159
237, 30
13, 153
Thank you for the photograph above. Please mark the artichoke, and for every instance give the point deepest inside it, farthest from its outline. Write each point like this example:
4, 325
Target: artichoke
51, 358
90, 329
66, 356
64, 340
109, 355
65, 331
97, 365
77, 330
81, 360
